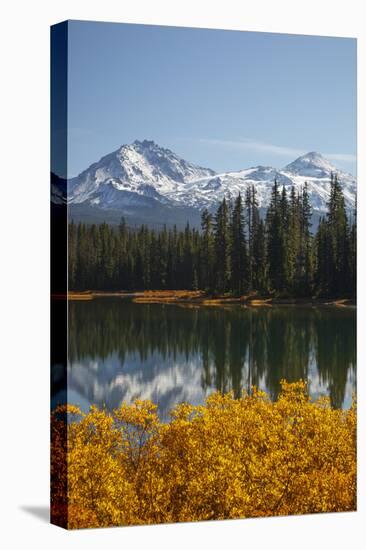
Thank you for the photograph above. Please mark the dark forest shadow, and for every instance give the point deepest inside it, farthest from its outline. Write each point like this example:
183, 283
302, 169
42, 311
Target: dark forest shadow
40, 512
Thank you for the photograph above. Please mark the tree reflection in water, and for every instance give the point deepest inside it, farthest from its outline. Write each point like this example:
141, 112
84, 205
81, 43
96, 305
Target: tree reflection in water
119, 351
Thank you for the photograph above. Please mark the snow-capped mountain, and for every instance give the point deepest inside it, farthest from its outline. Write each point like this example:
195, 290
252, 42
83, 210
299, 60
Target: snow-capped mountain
145, 180
143, 168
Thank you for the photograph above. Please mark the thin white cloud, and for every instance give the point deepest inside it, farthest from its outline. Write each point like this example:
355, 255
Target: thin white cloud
281, 151
341, 156
252, 145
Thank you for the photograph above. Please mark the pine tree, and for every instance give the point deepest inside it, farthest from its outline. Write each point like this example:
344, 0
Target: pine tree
238, 249
207, 251
324, 259
163, 257
293, 242
251, 204
306, 243
275, 240
259, 258
284, 236
172, 258
337, 228
222, 247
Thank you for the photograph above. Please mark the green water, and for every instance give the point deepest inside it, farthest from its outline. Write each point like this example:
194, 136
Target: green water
120, 351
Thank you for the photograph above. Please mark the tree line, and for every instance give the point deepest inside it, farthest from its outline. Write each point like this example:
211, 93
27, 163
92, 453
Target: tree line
235, 251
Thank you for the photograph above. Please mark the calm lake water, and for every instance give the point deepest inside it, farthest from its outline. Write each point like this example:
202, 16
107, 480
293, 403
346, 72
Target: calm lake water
120, 351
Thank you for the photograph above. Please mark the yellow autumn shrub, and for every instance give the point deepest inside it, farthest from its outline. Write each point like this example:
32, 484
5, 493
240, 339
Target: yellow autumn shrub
229, 458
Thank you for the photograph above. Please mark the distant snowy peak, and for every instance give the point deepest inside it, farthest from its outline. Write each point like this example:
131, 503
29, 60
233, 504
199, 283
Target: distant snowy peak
316, 171
160, 162
312, 165
136, 168
143, 175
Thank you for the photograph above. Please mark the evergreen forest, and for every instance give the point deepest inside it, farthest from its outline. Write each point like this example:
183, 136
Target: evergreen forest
235, 251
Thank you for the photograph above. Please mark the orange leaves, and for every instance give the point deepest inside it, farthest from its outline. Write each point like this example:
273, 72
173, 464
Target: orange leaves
231, 458
141, 413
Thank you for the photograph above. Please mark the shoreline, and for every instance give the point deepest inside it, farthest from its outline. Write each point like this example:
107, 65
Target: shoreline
201, 298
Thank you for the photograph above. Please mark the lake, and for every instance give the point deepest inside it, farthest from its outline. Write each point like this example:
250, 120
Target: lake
120, 351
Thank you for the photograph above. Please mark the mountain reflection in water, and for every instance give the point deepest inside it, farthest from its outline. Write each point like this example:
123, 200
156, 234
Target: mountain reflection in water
120, 351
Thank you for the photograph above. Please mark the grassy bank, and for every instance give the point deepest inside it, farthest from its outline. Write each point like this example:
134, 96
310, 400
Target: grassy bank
231, 458
201, 297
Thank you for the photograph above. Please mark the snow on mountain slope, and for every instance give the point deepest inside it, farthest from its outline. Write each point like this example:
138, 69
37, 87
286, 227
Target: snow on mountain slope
312, 165
314, 169
144, 174
208, 192
142, 168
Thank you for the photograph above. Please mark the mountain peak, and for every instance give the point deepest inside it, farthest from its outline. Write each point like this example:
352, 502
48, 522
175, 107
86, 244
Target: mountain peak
142, 176
313, 155
146, 143
312, 164
139, 145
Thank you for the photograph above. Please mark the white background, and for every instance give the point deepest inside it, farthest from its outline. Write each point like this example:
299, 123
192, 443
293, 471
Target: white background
24, 248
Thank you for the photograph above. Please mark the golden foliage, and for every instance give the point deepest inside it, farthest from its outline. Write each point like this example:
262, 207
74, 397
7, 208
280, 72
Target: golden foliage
231, 458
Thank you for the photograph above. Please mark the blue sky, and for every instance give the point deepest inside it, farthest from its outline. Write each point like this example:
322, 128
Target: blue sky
222, 99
